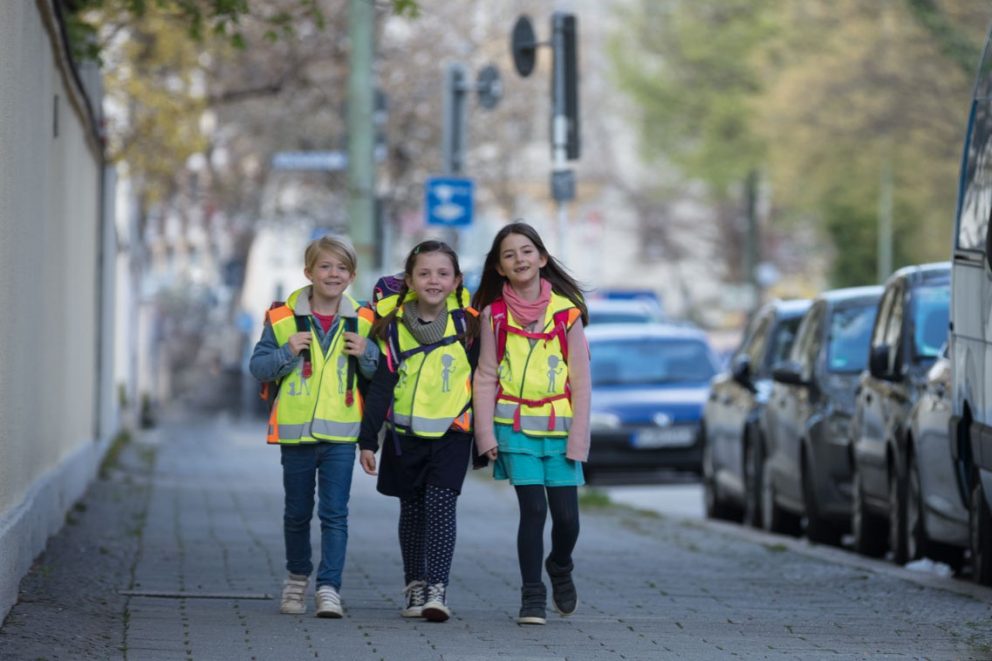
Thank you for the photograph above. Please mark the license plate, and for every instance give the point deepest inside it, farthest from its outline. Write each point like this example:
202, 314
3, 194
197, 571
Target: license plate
671, 437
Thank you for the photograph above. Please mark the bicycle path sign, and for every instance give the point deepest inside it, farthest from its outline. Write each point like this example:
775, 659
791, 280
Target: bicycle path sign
449, 201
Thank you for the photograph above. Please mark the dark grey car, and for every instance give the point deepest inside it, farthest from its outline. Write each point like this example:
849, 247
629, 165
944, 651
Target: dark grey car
806, 469
730, 415
909, 331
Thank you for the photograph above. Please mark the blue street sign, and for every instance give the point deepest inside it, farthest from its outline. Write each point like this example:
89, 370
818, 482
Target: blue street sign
449, 201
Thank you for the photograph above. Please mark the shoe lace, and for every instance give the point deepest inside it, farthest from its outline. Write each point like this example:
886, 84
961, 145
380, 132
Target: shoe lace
414, 592
435, 592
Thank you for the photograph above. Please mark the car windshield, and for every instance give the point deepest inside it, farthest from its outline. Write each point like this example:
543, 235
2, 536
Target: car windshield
647, 360
850, 330
930, 317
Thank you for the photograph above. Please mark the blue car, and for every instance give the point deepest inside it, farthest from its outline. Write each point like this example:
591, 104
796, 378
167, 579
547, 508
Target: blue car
649, 384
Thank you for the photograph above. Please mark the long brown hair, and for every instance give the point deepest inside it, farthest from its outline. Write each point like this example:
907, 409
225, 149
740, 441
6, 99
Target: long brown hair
380, 328
491, 283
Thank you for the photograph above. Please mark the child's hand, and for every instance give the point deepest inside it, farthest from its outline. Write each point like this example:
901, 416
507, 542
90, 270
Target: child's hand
491, 453
299, 341
367, 460
354, 344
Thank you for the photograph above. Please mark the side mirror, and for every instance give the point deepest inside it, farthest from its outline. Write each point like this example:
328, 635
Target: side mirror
788, 372
878, 362
740, 370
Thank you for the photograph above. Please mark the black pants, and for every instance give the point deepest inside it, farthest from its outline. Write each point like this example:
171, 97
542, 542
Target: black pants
535, 501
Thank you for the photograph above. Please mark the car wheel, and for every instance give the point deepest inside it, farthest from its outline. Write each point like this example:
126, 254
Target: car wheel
917, 544
897, 517
869, 530
818, 529
773, 517
715, 507
753, 464
980, 525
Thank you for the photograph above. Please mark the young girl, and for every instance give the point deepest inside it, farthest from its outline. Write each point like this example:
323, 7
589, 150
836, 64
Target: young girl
425, 334
532, 390
306, 345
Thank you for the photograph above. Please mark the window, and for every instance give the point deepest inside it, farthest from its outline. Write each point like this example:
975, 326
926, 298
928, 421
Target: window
930, 317
976, 201
782, 339
847, 343
650, 361
754, 346
806, 340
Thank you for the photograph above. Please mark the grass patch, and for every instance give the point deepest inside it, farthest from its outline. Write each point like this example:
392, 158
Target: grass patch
112, 458
776, 548
594, 498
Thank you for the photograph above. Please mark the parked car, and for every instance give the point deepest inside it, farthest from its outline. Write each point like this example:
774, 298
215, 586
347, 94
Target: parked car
805, 464
909, 331
736, 398
623, 311
649, 383
936, 491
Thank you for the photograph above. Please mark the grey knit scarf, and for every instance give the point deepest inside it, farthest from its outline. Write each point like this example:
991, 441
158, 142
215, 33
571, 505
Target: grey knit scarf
425, 333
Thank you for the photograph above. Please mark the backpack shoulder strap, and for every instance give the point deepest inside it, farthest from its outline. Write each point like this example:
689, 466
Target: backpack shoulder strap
563, 320
498, 315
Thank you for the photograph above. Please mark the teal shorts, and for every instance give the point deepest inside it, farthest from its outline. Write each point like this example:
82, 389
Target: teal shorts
525, 460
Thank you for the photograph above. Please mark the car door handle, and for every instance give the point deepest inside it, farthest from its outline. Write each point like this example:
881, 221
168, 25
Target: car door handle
868, 398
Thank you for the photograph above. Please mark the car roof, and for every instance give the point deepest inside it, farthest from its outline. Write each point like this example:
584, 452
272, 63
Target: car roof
845, 294
919, 272
642, 331
792, 307
620, 304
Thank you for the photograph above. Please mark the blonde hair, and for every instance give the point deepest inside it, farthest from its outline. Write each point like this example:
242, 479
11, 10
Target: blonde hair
340, 247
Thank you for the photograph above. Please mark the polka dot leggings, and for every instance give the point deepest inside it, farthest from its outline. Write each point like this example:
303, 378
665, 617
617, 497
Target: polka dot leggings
427, 534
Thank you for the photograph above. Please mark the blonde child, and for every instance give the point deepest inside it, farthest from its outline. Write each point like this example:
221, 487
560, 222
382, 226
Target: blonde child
309, 345
531, 404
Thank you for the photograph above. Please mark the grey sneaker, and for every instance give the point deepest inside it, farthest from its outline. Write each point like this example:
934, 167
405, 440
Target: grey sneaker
416, 596
328, 602
533, 600
293, 589
435, 609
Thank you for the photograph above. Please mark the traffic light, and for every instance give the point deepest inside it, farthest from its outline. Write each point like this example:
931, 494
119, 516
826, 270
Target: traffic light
565, 80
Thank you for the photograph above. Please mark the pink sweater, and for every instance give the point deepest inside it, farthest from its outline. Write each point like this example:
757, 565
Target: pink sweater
487, 379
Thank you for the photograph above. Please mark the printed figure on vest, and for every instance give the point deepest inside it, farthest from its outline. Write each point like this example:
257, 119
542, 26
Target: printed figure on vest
531, 404
314, 347
422, 391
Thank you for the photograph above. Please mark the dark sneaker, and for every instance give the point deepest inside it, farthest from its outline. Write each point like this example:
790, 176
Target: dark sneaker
563, 596
435, 609
416, 596
533, 597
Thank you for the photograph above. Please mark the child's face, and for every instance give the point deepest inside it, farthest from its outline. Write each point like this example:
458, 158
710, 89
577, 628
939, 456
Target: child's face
433, 278
329, 275
520, 261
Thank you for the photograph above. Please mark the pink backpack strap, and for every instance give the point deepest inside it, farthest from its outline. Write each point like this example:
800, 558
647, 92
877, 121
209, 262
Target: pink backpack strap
499, 320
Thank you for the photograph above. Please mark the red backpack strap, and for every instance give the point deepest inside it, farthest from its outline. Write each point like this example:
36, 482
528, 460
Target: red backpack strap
499, 320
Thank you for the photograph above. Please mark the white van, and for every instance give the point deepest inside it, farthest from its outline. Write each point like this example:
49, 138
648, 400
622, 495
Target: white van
971, 324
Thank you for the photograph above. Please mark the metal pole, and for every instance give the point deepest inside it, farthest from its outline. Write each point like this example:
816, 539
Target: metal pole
885, 220
361, 136
559, 128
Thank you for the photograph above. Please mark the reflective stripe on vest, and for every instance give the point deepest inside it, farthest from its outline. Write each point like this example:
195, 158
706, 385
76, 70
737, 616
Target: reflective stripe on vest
308, 410
533, 394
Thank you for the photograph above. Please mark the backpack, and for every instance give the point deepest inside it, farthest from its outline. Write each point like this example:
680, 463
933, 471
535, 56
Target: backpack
269, 389
386, 286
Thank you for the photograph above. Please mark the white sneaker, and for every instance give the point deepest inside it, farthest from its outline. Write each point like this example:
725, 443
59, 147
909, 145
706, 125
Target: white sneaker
328, 602
293, 589
435, 609
416, 595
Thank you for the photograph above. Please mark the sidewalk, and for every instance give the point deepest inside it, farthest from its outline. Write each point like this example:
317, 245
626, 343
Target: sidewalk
181, 558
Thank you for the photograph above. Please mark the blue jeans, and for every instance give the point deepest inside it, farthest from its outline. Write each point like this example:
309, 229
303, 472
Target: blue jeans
328, 466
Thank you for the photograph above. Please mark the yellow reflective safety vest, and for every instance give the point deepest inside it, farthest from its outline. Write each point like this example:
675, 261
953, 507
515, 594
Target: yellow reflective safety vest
318, 400
434, 389
533, 393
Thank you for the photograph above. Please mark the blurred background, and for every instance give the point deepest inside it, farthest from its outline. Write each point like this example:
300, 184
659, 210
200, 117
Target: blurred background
732, 151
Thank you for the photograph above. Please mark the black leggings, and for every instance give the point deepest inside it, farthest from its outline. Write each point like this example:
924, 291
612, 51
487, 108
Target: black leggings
427, 534
564, 505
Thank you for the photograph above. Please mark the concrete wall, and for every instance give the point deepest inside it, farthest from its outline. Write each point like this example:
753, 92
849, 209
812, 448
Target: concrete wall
51, 305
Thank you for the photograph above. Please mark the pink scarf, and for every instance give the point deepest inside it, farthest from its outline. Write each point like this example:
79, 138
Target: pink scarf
527, 312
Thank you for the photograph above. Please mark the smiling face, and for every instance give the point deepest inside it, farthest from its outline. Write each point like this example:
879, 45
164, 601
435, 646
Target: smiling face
432, 278
520, 261
330, 276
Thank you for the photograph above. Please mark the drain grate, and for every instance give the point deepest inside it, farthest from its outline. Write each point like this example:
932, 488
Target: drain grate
194, 595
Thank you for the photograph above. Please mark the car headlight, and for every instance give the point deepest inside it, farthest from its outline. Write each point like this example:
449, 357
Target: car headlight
603, 420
